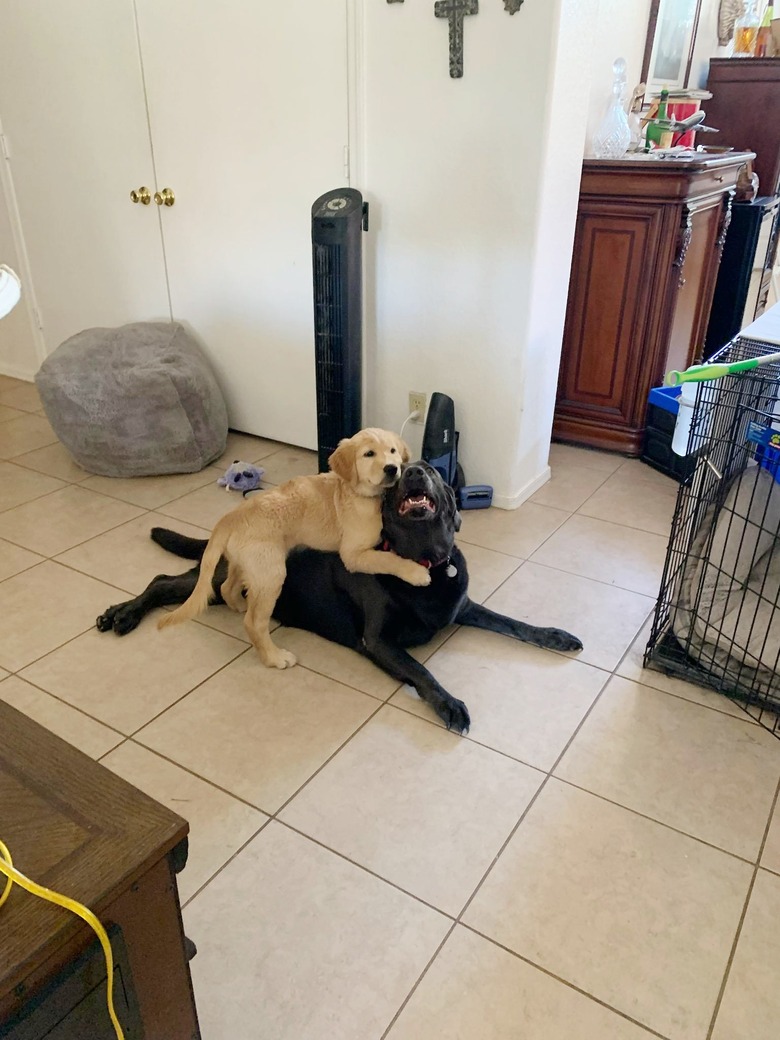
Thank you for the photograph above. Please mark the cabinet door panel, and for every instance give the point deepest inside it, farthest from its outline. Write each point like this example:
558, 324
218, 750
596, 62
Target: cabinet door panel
72, 106
248, 109
608, 311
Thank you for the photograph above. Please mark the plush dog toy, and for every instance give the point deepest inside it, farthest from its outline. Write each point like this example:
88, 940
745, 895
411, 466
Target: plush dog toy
241, 476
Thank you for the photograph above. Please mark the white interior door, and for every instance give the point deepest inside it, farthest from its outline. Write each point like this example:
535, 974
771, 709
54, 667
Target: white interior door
248, 109
73, 110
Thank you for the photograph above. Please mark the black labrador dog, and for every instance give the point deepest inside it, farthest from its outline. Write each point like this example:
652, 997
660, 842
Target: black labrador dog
377, 615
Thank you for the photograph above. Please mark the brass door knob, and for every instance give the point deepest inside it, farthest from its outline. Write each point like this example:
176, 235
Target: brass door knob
165, 197
143, 195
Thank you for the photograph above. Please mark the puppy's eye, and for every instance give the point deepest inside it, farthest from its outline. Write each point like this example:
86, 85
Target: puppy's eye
392, 451
369, 454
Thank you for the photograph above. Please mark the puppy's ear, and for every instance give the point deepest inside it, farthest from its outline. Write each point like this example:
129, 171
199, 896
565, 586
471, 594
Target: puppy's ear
403, 447
342, 461
453, 504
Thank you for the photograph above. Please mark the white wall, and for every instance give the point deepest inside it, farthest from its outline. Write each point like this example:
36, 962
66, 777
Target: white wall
706, 44
473, 185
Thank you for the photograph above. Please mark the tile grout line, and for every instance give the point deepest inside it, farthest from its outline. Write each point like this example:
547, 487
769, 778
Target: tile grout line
52, 558
198, 776
587, 577
61, 700
607, 477
144, 510
659, 823
244, 649
420, 978
743, 915
227, 862
495, 860
367, 870
560, 570
116, 747
18, 671
569, 985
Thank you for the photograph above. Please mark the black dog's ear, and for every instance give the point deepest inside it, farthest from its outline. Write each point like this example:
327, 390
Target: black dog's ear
453, 502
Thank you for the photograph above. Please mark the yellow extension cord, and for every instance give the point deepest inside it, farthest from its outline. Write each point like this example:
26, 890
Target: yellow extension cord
16, 877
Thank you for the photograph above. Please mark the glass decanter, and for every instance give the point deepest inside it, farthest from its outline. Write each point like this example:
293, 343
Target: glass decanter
613, 136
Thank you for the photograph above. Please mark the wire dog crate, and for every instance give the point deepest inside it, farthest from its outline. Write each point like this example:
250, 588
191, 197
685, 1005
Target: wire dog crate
717, 619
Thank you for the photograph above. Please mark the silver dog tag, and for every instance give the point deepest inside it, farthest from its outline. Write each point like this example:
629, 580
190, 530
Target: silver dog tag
451, 571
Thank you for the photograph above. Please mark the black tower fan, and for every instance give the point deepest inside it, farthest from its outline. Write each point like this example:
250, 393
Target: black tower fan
337, 220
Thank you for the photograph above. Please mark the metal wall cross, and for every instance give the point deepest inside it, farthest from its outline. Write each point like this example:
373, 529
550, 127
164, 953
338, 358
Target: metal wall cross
455, 11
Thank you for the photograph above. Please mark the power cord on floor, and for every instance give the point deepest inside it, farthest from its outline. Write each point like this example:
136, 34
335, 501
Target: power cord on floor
413, 415
15, 877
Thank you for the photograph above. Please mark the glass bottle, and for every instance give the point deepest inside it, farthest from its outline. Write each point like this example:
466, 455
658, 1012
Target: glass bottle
655, 135
746, 31
764, 33
613, 136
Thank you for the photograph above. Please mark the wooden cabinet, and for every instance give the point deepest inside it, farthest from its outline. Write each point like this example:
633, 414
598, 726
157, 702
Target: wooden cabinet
75, 827
647, 247
745, 107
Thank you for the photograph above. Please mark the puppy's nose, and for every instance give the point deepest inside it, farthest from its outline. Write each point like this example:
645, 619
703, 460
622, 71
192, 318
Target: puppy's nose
391, 470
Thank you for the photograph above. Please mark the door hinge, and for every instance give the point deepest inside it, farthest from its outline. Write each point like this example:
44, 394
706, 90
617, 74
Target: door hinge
346, 162
4, 146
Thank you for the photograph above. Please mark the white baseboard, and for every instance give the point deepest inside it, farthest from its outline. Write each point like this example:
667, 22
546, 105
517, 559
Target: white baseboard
513, 501
28, 375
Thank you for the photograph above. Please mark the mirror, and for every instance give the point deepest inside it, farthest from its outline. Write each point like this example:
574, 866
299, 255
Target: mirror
671, 34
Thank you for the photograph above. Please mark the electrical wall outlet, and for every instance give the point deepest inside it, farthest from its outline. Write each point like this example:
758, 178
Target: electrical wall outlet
417, 404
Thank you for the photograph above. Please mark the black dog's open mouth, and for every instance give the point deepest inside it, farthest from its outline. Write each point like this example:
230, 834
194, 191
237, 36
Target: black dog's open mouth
417, 506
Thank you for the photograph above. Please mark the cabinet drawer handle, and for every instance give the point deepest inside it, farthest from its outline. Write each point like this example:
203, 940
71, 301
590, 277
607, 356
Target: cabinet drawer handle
143, 195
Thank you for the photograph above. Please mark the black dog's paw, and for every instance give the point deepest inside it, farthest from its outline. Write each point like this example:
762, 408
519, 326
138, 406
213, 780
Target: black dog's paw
557, 639
120, 619
455, 716
106, 621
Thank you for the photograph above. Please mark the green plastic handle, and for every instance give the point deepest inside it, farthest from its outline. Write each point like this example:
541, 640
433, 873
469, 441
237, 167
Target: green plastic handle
699, 373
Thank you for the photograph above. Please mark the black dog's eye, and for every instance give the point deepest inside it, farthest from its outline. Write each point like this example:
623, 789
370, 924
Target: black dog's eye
369, 454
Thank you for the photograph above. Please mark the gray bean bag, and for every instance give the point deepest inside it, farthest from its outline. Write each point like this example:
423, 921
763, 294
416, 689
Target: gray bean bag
134, 401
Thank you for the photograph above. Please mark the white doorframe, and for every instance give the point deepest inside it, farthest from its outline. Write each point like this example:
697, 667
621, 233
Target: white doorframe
356, 92
21, 264
356, 124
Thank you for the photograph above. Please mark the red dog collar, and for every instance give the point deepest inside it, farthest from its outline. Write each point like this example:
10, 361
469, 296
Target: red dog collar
386, 547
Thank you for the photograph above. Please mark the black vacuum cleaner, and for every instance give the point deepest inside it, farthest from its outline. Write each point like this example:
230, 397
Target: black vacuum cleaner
440, 450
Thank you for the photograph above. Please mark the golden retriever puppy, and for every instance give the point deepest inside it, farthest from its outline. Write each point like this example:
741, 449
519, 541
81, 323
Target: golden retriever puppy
337, 511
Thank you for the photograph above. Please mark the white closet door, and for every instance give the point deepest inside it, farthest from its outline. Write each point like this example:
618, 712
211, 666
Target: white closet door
248, 109
73, 111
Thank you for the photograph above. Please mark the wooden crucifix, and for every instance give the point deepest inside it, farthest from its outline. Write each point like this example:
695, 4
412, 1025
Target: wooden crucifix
455, 11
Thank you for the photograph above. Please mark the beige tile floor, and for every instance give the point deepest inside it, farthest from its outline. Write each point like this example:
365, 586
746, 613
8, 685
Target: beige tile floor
598, 860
